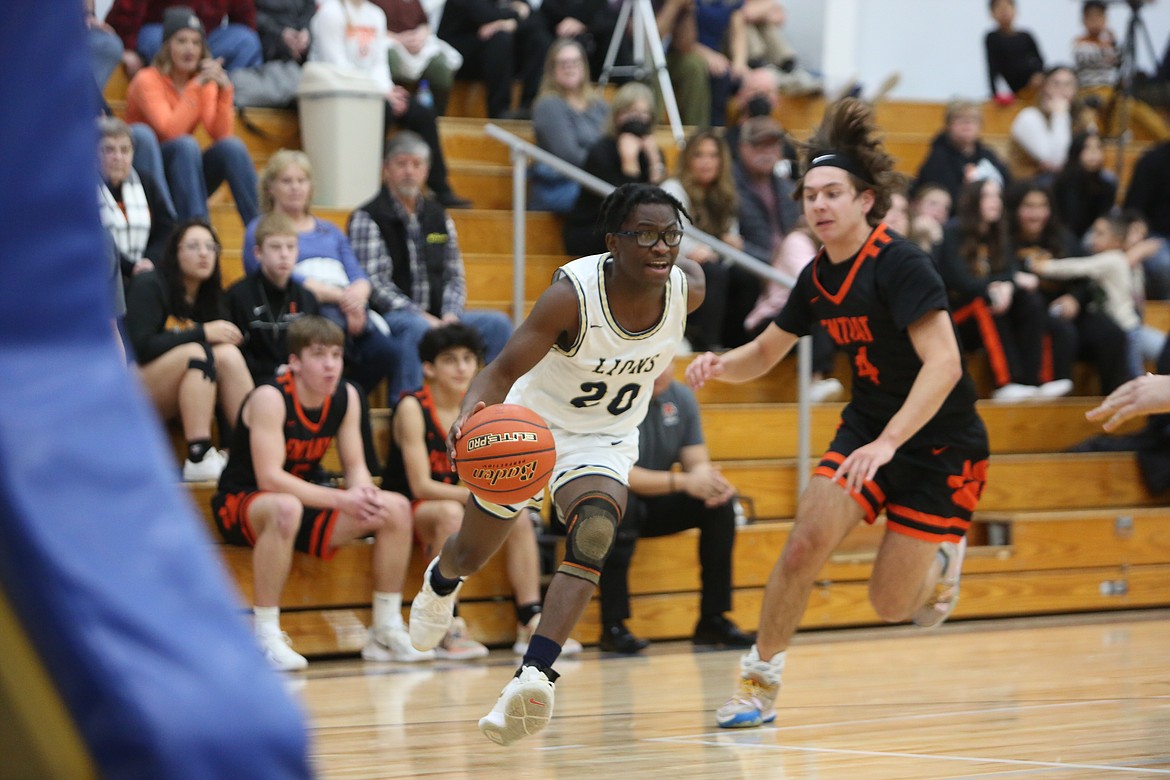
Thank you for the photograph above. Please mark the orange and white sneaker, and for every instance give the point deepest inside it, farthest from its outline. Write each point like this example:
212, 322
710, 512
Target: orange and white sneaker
524, 632
754, 701
524, 707
946, 591
458, 645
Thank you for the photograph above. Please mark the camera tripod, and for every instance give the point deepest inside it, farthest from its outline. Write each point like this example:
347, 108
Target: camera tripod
645, 34
1117, 113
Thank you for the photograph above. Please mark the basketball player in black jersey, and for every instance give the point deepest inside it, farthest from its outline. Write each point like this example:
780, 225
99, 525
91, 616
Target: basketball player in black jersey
910, 441
265, 502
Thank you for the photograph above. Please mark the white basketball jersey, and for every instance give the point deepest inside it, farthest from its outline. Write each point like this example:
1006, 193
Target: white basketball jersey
603, 382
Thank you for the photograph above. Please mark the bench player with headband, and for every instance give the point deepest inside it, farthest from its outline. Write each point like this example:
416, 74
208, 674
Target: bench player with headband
585, 361
910, 440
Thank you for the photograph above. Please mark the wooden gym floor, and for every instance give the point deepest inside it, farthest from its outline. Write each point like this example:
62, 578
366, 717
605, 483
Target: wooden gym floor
1064, 697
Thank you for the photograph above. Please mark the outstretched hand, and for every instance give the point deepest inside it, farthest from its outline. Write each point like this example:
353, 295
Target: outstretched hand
706, 366
1149, 394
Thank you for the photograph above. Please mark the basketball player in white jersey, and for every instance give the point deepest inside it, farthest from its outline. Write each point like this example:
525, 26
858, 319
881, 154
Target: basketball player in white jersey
585, 360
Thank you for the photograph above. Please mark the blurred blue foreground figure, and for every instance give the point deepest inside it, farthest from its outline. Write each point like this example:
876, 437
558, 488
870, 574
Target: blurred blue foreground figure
103, 566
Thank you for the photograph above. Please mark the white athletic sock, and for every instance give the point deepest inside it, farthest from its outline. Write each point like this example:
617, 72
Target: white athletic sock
266, 620
387, 609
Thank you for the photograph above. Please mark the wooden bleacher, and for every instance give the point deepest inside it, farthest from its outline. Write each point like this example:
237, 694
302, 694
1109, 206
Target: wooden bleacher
1055, 533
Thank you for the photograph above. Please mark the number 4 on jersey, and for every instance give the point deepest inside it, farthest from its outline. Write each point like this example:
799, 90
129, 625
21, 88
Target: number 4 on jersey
865, 369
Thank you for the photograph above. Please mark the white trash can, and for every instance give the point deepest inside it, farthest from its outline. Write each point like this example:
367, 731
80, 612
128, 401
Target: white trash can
342, 116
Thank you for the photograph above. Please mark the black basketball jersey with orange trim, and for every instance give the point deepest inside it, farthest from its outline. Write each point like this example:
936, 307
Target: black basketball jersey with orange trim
394, 477
866, 304
307, 435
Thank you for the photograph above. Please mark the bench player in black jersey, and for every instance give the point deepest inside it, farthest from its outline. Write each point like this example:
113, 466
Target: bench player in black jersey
910, 440
265, 502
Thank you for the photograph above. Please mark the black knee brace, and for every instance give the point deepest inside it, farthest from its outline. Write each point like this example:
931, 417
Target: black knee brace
591, 528
205, 366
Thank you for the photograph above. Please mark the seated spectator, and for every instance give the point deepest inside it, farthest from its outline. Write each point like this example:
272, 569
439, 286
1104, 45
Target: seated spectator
265, 502
407, 244
417, 53
568, 117
898, 214
142, 26
768, 47
1149, 195
929, 211
1012, 55
722, 43
328, 268
703, 185
352, 34
132, 208
590, 23
767, 210
181, 90
995, 303
1041, 133
1116, 254
757, 96
500, 43
418, 467
1080, 331
663, 502
283, 26
187, 351
958, 156
265, 302
677, 27
1084, 190
628, 153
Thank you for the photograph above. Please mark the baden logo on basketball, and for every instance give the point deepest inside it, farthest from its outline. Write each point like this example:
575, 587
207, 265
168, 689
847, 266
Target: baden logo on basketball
524, 472
488, 439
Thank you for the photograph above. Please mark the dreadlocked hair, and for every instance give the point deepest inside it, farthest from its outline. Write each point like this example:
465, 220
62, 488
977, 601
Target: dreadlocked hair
618, 205
849, 127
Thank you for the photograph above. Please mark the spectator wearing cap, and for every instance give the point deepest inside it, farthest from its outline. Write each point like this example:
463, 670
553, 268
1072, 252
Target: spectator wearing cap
231, 24
183, 88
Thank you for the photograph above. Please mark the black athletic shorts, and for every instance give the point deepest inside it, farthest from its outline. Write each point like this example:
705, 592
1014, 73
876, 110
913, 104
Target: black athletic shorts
231, 516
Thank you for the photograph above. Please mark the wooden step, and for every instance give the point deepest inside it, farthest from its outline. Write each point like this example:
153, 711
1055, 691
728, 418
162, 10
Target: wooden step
1157, 315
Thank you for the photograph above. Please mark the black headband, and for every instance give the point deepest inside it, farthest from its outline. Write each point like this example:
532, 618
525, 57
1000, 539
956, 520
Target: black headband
840, 160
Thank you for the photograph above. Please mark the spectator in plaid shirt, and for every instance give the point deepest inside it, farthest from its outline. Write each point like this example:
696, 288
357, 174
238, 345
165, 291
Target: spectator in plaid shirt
407, 244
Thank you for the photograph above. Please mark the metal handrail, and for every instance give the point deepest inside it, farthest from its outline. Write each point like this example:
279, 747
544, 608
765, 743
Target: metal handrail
523, 150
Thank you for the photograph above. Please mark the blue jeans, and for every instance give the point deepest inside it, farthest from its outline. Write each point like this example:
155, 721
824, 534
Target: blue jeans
237, 44
148, 161
105, 54
408, 328
193, 174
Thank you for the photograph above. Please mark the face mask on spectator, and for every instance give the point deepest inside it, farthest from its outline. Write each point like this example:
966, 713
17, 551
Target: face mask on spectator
635, 126
759, 106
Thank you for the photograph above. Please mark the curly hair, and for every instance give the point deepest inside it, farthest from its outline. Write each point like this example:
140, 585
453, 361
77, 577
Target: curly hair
849, 127
716, 204
618, 205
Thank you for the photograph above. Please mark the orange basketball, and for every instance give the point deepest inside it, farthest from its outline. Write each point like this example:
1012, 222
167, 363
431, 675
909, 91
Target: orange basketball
506, 454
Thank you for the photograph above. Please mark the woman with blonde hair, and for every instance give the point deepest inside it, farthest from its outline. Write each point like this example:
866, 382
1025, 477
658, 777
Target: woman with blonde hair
182, 89
627, 154
568, 117
704, 186
327, 267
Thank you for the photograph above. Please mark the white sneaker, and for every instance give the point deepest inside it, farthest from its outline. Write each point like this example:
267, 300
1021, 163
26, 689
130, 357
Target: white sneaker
430, 613
946, 591
823, 391
277, 648
1057, 388
392, 643
754, 701
1014, 392
457, 645
206, 470
524, 636
523, 709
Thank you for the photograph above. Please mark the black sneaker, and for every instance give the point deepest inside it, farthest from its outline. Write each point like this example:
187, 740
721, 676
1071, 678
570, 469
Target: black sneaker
721, 632
452, 201
616, 638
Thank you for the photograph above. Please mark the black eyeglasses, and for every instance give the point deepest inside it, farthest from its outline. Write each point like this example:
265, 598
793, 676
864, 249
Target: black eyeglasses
648, 238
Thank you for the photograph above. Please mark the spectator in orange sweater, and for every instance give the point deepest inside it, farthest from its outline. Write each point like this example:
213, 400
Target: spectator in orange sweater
181, 90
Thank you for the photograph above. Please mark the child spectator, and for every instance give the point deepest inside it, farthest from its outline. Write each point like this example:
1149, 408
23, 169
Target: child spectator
418, 467
327, 267
187, 351
182, 89
283, 26
1011, 54
930, 210
1084, 189
265, 502
351, 34
957, 155
132, 208
142, 25
1118, 249
567, 119
265, 302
